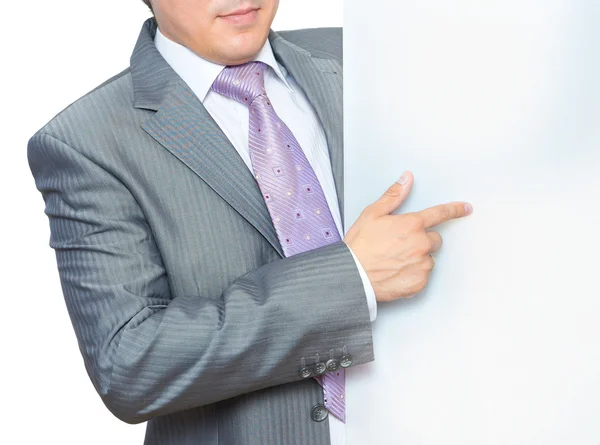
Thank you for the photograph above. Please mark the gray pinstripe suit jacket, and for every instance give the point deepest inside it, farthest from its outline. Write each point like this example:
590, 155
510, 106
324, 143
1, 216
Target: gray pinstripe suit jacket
186, 311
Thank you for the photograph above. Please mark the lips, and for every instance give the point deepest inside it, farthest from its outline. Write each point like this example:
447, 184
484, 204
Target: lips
243, 16
241, 11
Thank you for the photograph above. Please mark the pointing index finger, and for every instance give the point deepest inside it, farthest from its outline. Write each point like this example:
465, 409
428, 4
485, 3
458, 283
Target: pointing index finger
444, 212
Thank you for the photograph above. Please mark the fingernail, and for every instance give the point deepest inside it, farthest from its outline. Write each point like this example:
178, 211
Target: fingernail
468, 208
403, 179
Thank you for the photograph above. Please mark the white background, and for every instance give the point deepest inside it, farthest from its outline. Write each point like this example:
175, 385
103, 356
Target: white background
52, 53
495, 102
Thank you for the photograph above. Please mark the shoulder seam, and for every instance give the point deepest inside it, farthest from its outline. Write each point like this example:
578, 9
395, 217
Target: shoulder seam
110, 80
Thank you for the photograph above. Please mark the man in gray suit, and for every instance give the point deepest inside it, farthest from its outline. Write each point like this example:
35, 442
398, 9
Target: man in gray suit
189, 312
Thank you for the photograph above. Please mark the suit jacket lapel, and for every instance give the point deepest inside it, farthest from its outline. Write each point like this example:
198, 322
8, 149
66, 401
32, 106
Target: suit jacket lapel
322, 82
184, 127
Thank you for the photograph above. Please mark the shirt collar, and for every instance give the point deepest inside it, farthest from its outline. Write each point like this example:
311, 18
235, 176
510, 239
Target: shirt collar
200, 73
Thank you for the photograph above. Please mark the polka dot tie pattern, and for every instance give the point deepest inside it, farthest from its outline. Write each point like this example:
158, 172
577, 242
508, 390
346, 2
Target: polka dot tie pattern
290, 188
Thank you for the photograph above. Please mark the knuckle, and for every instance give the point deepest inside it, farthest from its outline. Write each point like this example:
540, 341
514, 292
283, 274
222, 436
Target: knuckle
425, 245
418, 281
367, 211
421, 285
414, 222
430, 243
393, 192
372, 211
436, 239
445, 213
425, 279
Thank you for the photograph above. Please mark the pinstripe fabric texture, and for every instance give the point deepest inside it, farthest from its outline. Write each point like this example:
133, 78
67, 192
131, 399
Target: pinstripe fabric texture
186, 311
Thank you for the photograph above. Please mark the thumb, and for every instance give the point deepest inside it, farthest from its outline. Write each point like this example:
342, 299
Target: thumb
394, 196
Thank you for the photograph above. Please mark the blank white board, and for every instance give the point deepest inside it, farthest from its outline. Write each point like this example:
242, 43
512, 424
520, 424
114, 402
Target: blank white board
496, 103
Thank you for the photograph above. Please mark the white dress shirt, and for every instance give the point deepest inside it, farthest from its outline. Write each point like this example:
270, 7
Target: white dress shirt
293, 108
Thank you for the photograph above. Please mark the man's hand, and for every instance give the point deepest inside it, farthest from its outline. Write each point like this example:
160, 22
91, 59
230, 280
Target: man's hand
394, 249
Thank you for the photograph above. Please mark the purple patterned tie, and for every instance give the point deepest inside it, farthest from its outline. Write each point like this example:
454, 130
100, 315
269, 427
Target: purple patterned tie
291, 190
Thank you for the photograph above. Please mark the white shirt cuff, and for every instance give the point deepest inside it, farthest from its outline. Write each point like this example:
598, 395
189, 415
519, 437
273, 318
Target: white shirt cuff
371, 300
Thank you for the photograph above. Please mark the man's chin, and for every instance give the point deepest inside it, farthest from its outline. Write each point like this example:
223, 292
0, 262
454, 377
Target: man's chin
244, 48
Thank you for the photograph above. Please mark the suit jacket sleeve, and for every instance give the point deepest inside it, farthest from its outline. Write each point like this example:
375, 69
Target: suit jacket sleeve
149, 353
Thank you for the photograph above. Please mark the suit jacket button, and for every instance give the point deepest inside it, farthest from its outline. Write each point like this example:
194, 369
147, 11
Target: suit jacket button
319, 413
305, 373
320, 368
332, 364
346, 361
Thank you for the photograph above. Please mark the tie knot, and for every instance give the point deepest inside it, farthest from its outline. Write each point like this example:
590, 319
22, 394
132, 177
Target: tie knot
241, 82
